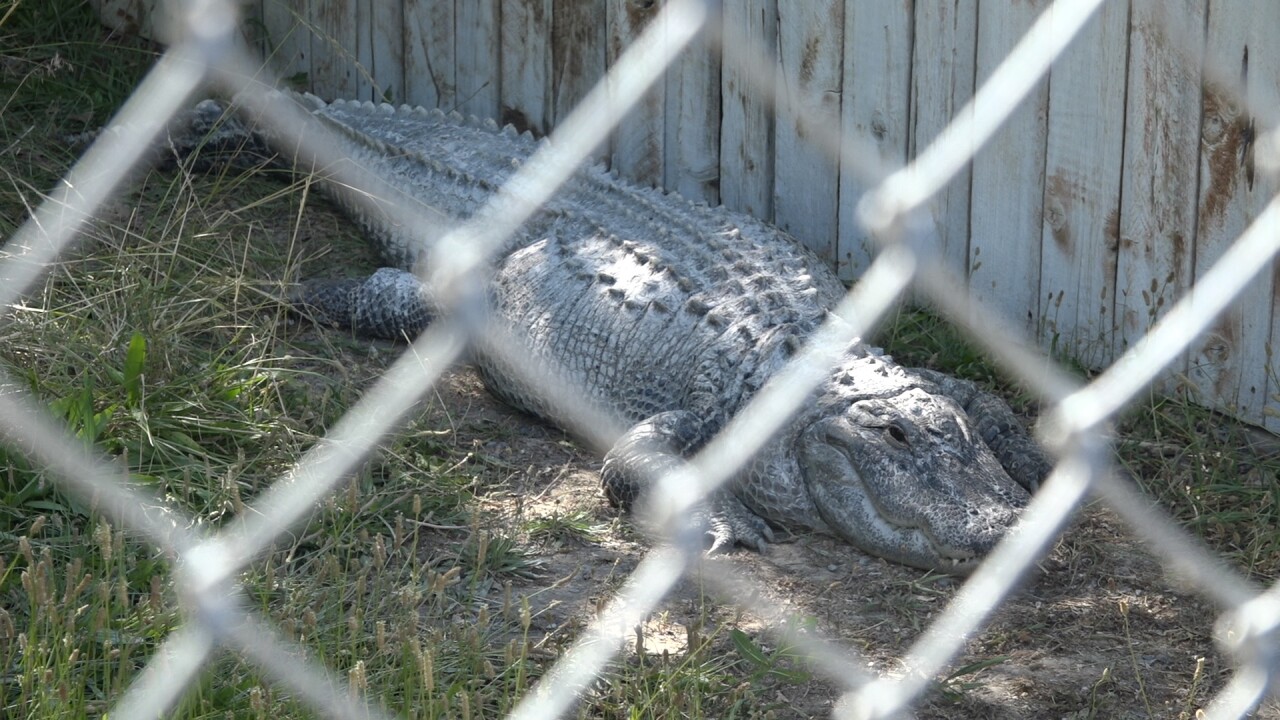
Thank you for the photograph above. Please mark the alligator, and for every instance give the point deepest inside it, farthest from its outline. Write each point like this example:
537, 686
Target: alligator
671, 315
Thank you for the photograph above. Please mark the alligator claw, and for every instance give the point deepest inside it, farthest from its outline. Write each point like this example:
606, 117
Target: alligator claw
731, 523
722, 540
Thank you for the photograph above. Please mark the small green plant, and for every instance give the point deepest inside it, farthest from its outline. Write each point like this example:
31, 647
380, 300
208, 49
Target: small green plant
24, 490
488, 555
965, 678
776, 664
563, 527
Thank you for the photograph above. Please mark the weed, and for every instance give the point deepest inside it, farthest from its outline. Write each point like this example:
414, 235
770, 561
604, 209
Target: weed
487, 555
966, 677
564, 527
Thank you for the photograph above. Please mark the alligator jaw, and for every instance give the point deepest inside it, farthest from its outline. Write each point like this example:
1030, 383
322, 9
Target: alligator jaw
922, 507
871, 531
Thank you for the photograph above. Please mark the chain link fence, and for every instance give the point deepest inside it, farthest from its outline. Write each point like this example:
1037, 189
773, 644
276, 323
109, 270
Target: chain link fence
208, 55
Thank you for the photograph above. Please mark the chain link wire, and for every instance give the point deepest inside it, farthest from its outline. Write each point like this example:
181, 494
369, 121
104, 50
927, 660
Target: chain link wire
207, 54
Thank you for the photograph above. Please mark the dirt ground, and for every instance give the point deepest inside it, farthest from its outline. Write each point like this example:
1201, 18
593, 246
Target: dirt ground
1097, 631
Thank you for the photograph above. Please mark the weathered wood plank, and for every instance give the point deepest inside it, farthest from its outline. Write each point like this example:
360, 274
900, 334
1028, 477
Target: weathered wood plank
334, 48
525, 59
430, 60
1158, 191
1008, 182
387, 35
252, 29
746, 126
578, 41
364, 48
288, 39
1230, 367
249, 39
876, 101
1082, 189
807, 177
637, 146
692, 142
476, 43
941, 84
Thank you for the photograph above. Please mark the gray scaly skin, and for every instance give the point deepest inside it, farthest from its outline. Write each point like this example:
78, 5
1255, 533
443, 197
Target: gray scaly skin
672, 315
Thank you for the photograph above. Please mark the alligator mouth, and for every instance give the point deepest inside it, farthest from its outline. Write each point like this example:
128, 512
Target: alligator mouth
852, 510
940, 556
907, 543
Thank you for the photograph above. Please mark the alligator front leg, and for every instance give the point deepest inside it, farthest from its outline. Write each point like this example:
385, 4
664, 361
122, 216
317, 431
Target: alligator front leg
657, 446
1019, 453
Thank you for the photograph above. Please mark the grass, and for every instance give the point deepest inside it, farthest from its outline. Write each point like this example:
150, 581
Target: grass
160, 343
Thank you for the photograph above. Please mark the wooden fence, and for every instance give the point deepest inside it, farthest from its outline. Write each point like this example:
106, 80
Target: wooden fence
1102, 200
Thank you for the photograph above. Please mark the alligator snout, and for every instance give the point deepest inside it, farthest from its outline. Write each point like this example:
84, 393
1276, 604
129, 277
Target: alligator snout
915, 489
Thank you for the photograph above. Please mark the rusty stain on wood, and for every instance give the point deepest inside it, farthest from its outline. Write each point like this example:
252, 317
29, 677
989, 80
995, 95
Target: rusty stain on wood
1227, 135
1057, 202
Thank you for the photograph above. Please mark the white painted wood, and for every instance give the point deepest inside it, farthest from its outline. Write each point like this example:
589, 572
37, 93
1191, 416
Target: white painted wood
364, 48
1230, 367
876, 109
578, 54
1158, 190
430, 61
476, 43
1081, 221
807, 178
334, 48
526, 64
288, 40
1008, 183
692, 142
162, 21
637, 146
150, 19
746, 126
941, 84
251, 27
387, 37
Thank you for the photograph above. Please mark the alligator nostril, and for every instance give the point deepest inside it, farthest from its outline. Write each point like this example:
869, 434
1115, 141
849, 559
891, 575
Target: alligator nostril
897, 434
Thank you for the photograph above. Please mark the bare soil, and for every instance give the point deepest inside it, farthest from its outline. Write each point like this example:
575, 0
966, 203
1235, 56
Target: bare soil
1098, 630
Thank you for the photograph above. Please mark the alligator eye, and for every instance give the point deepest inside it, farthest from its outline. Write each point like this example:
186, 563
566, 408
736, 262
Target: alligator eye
897, 434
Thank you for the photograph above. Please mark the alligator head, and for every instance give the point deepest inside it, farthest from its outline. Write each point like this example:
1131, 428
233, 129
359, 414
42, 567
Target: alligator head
902, 473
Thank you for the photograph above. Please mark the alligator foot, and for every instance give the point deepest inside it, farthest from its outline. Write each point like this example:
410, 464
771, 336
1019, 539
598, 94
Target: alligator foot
658, 445
727, 522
